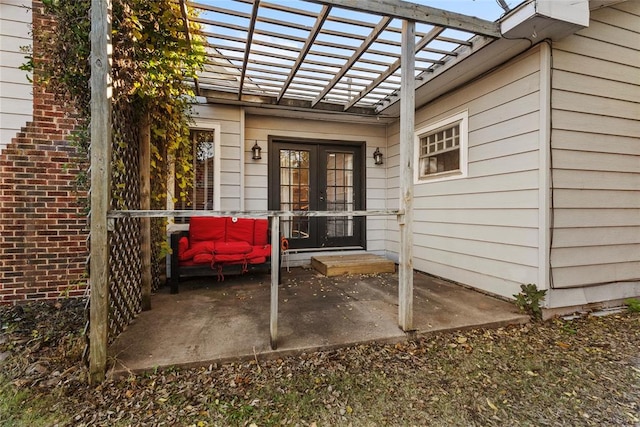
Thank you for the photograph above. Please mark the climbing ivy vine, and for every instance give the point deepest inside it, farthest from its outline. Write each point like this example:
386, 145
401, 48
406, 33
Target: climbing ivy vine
152, 65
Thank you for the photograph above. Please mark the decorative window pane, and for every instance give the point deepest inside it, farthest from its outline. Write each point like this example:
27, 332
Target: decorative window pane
440, 151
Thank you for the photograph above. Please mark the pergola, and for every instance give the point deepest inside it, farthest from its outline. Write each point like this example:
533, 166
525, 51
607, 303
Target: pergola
335, 56
355, 58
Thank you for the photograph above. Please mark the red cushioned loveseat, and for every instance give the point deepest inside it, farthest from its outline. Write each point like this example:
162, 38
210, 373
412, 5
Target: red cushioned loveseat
219, 245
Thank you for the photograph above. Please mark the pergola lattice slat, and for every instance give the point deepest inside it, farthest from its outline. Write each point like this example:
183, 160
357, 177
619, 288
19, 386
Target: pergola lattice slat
384, 22
393, 68
327, 44
305, 49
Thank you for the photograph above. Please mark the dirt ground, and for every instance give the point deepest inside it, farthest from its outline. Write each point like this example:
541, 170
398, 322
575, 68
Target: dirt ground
584, 371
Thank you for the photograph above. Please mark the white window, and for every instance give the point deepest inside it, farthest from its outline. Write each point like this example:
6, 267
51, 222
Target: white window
204, 191
442, 149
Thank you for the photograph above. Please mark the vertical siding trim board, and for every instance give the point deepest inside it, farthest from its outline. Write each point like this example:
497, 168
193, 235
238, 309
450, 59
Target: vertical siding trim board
545, 203
243, 159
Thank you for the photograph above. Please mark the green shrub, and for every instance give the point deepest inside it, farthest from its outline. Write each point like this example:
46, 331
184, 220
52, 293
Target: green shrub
633, 305
529, 300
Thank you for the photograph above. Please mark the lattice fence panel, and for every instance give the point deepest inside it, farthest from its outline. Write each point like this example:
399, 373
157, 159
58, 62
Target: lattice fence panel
125, 281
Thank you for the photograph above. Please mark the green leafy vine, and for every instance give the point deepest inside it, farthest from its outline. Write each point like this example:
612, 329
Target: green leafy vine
153, 63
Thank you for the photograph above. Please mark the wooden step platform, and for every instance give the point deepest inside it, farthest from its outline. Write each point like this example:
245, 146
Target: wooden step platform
336, 265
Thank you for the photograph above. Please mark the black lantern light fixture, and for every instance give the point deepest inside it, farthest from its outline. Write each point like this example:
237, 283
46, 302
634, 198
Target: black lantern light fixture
256, 150
377, 156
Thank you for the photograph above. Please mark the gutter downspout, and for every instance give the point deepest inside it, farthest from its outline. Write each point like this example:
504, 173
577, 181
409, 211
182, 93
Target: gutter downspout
544, 168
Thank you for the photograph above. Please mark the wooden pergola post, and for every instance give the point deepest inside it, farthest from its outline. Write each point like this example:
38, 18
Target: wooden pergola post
100, 186
275, 279
145, 204
407, 121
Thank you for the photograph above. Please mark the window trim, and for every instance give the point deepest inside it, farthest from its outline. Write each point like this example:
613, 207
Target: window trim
463, 119
217, 164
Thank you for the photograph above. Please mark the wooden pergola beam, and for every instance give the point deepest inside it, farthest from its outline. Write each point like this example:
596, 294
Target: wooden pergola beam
187, 33
419, 13
215, 95
247, 51
322, 16
384, 22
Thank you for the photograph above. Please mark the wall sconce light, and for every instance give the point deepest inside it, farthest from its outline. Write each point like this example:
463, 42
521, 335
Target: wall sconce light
256, 150
377, 157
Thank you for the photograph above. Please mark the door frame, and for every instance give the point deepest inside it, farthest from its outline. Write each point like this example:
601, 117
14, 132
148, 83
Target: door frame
273, 173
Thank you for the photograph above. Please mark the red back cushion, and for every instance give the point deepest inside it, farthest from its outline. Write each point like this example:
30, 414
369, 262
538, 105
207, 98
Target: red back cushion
207, 228
260, 232
240, 230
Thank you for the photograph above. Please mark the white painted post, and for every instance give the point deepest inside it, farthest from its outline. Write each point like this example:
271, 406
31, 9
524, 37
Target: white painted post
275, 278
100, 188
407, 121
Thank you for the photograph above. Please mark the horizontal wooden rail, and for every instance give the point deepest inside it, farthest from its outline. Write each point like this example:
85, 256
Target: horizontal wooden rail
275, 236
245, 214
275, 243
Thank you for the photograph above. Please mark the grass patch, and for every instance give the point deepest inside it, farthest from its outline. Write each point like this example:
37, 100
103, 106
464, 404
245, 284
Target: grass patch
21, 407
580, 372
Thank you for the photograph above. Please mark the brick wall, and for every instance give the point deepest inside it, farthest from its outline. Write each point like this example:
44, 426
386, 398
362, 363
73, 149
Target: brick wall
43, 228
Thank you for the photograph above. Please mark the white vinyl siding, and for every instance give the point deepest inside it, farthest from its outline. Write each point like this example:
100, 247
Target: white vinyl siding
259, 128
482, 230
15, 89
244, 181
596, 152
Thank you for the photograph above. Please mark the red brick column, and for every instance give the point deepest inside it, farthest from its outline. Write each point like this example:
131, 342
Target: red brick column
43, 227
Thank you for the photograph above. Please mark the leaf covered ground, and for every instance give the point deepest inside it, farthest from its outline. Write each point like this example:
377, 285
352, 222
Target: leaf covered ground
584, 371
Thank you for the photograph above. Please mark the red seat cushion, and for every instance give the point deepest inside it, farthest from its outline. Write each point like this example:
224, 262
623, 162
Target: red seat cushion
231, 248
240, 230
229, 258
203, 258
197, 248
205, 228
259, 252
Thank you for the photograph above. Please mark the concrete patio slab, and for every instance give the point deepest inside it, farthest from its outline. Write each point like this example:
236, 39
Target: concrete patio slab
211, 321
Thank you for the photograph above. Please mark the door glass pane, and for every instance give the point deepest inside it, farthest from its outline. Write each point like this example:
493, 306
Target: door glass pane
339, 193
294, 191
